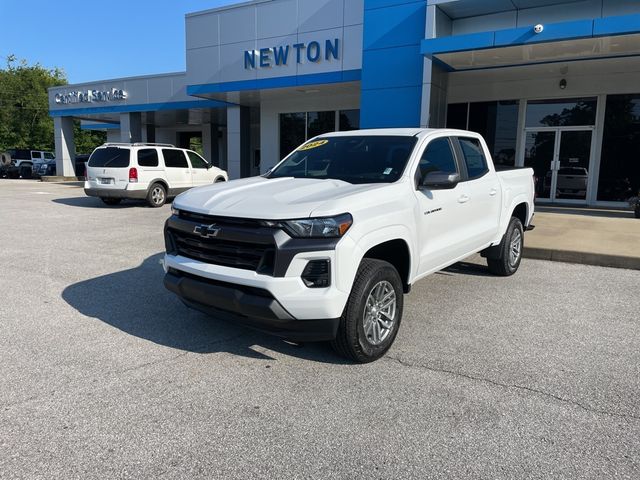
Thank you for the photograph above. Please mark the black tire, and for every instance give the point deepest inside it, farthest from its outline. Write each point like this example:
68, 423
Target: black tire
13, 174
219, 180
26, 172
157, 195
637, 211
510, 248
111, 201
351, 341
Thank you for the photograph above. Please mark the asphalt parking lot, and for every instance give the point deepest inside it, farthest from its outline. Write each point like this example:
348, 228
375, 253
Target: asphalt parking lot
105, 374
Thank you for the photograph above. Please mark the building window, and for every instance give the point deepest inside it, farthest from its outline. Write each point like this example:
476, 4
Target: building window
293, 132
562, 112
620, 161
497, 122
296, 128
458, 116
349, 120
320, 122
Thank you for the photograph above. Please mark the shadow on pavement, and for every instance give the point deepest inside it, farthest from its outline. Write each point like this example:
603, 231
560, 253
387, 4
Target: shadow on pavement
93, 202
136, 302
467, 268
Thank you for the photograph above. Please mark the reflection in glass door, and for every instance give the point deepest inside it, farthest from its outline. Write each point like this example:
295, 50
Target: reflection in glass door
572, 174
539, 154
560, 160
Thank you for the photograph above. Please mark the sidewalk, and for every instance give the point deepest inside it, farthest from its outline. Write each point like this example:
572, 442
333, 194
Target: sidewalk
608, 238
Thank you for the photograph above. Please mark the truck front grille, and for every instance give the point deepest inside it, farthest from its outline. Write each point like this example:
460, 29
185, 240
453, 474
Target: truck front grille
247, 256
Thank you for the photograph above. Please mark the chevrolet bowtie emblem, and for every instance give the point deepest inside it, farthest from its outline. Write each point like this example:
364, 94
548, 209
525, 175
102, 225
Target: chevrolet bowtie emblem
207, 231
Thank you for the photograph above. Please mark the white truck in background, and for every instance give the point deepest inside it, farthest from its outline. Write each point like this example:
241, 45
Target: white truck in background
325, 245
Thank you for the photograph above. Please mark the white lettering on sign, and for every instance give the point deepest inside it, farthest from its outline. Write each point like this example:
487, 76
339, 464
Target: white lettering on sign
90, 96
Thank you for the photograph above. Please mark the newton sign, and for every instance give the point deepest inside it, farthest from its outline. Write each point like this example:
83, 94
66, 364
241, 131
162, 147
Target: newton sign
313, 52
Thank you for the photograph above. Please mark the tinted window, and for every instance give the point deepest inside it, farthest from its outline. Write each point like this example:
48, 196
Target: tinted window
354, 159
562, 112
619, 176
473, 157
292, 131
349, 120
112, 157
437, 157
148, 157
174, 158
197, 161
457, 115
36, 155
49, 156
320, 122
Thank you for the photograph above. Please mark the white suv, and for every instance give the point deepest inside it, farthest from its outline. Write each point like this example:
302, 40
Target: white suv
150, 171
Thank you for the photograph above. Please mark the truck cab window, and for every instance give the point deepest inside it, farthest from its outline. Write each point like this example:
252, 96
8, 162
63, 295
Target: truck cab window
473, 157
437, 157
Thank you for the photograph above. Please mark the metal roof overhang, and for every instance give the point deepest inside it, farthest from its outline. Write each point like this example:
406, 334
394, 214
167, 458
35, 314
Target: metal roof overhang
558, 42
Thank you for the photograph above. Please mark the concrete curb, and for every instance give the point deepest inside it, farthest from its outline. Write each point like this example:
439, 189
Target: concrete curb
59, 179
585, 258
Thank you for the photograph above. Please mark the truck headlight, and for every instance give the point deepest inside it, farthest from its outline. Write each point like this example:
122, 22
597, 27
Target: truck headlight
326, 227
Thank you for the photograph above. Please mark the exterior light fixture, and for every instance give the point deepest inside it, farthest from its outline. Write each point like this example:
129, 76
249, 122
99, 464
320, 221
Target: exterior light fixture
539, 28
563, 84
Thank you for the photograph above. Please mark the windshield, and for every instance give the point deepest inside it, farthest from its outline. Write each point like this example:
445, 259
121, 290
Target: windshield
353, 159
112, 157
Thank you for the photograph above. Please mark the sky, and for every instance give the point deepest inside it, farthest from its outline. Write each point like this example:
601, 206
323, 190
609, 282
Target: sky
99, 40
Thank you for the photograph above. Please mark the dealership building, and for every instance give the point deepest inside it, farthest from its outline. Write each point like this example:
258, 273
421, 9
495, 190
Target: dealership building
553, 85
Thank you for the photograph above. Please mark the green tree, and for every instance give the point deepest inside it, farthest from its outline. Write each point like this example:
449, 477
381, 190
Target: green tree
24, 108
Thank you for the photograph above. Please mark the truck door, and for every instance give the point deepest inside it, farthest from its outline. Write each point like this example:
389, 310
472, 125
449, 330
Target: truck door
440, 212
484, 191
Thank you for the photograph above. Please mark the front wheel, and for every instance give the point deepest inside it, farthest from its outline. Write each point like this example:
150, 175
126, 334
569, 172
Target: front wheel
157, 196
510, 249
371, 318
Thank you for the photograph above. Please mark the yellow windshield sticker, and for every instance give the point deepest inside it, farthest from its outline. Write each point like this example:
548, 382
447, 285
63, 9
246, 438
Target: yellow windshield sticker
313, 145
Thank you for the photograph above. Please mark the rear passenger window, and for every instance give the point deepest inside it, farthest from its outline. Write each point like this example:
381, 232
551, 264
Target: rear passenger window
473, 157
437, 157
148, 157
174, 158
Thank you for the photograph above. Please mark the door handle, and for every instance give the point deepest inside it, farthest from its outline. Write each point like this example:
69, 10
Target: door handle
493, 192
464, 199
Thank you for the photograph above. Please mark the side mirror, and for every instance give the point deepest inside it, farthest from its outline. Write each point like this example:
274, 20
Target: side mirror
440, 180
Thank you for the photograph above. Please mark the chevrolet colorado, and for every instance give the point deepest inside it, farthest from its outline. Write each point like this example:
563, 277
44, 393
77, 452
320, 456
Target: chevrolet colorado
325, 244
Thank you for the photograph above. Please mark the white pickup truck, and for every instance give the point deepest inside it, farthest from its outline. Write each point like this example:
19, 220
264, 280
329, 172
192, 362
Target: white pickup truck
325, 244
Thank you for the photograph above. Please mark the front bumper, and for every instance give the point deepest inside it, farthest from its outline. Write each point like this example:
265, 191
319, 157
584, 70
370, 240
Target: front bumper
250, 306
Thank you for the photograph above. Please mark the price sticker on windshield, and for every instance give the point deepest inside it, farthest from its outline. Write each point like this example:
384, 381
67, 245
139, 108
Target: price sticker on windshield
312, 145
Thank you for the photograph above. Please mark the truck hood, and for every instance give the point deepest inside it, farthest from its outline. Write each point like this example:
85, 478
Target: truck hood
270, 199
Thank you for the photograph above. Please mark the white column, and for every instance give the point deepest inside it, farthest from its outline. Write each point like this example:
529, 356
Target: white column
130, 127
65, 146
234, 147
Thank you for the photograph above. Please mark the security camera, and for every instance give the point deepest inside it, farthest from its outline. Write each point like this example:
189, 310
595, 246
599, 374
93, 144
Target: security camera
538, 28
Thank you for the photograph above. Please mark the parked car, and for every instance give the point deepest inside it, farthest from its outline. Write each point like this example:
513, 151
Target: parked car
325, 244
80, 164
150, 171
25, 159
572, 181
45, 169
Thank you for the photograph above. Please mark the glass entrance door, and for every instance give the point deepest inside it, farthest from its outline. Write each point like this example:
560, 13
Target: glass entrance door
560, 160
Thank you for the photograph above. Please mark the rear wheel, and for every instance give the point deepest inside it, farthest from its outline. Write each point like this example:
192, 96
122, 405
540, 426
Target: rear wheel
219, 180
111, 201
510, 249
157, 195
637, 211
371, 318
